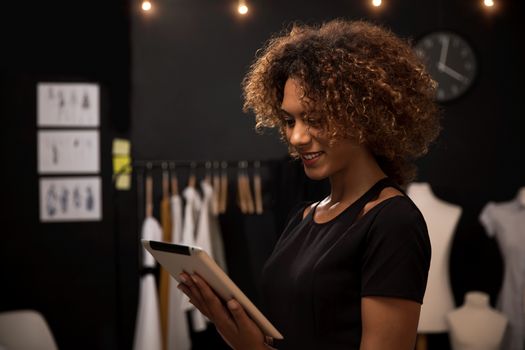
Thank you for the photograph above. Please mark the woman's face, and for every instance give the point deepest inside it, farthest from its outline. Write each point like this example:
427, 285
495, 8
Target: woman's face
304, 133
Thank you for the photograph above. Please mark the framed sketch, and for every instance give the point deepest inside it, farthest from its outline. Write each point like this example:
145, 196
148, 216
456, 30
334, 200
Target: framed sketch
68, 105
70, 199
65, 151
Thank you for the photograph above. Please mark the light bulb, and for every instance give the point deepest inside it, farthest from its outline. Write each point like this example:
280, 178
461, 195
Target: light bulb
146, 5
243, 9
376, 3
488, 3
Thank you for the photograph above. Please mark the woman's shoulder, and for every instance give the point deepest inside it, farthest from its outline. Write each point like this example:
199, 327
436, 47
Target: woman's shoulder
399, 211
399, 226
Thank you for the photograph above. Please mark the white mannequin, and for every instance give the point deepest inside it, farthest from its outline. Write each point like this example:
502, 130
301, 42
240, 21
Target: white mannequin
441, 218
475, 325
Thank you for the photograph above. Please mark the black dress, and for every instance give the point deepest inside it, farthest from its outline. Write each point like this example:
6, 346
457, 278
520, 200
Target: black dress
313, 282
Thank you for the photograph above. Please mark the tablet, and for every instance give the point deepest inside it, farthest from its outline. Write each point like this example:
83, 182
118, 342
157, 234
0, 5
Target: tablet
176, 258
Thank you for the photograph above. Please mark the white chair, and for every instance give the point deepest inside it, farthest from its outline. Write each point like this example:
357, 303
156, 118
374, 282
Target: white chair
25, 330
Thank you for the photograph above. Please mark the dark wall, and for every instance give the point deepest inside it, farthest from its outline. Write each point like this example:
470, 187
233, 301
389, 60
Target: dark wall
67, 271
189, 58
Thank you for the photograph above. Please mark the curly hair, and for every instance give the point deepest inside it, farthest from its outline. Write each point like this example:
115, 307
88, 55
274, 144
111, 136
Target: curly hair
365, 82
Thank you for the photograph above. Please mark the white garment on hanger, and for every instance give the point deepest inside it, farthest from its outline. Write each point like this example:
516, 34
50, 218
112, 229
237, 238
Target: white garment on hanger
191, 212
441, 218
147, 328
208, 231
178, 330
506, 222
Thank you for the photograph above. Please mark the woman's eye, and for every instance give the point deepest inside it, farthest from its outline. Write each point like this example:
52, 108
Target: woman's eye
288, 122
313, 122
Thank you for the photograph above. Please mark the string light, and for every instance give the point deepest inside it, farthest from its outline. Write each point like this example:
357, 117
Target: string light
242, 8
146, 5
491, 7
376, 3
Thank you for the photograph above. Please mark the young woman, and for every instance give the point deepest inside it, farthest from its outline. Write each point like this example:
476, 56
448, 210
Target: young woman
355, 104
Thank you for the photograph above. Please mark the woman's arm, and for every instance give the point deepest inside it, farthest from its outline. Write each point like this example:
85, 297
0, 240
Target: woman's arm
389, 323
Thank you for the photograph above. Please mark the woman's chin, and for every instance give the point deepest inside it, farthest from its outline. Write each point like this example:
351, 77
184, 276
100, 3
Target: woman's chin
314, 174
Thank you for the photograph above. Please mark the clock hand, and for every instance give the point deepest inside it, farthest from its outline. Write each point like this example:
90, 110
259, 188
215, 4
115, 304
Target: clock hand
447, 70
444, 50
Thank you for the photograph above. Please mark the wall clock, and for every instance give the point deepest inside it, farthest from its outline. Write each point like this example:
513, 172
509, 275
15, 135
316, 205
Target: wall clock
451, 62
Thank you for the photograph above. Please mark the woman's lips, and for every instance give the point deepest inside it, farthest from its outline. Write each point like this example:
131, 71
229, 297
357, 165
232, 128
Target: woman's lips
310, 158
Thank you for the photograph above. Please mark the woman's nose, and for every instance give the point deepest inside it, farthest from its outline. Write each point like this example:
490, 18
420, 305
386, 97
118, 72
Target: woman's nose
300, 134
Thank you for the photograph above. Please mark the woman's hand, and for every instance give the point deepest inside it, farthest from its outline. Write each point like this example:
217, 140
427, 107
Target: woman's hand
232, 322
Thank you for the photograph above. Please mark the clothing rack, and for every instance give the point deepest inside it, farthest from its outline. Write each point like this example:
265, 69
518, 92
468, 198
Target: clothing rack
170, 163
216, 172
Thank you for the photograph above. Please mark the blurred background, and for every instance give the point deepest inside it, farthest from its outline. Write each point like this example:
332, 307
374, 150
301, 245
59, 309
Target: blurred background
168, 80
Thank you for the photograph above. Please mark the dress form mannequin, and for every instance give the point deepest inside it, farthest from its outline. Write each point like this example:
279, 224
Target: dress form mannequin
441, 218
475, 325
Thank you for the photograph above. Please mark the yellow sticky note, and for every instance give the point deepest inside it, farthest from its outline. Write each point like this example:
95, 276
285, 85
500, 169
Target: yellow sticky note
123, 182
121, 147
121, 165
122, 172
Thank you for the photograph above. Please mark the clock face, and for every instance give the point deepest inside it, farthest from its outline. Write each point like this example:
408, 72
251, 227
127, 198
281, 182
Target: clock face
450, 61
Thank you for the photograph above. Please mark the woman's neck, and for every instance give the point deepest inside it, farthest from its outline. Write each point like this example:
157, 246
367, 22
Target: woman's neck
350, 183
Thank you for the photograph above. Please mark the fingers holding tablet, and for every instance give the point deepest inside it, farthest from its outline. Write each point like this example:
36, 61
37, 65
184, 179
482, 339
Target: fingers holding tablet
210, 301
214, 303
189, 287
229, 317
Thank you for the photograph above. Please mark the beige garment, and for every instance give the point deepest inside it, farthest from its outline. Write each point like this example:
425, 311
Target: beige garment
165, 218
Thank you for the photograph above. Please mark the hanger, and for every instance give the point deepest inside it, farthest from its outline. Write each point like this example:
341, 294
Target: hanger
250, 206
258, 188
174, 180
241, 194
193, 177
207, 175
245, 198
165, 181
216, 182
141, 197
149, 191
224, 188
